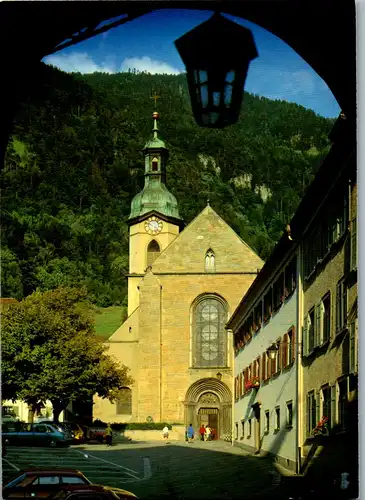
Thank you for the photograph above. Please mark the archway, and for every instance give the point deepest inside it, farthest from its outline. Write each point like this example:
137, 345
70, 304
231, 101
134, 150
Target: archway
209, 401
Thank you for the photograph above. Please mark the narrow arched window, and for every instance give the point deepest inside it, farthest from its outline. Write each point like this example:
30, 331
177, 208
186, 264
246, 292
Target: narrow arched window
209, 261
209, 336
154, 164
153, 251
124, 402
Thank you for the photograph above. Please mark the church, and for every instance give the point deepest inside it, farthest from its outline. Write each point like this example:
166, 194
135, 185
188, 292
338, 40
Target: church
184, 283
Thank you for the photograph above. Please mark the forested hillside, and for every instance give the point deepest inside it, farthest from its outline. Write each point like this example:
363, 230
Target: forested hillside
74, 163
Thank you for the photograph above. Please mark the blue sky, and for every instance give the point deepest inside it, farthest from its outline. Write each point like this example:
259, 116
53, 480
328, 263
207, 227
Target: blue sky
147, 43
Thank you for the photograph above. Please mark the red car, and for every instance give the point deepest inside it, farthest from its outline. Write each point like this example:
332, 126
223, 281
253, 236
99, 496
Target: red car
41, 482
92, 492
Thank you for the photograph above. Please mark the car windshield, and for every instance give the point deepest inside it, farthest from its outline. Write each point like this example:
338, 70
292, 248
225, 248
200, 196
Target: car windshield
16, 481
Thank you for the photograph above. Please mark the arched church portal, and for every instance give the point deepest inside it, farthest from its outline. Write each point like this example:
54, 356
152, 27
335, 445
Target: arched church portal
209, 401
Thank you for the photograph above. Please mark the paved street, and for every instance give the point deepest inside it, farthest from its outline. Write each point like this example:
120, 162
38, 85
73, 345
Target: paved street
159, 470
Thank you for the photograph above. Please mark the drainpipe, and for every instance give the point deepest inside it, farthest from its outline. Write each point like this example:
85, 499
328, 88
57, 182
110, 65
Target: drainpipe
231, 343
299, 369
160, 353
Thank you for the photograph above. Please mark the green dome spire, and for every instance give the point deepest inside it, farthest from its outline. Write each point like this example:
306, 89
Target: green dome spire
155, 195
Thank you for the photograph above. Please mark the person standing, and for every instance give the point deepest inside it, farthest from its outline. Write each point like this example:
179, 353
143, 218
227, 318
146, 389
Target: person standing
202, 432
190, 433
108, 435
165, 432
207, 433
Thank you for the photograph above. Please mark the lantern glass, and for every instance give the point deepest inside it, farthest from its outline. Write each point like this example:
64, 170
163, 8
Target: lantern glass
272, 352
216, 55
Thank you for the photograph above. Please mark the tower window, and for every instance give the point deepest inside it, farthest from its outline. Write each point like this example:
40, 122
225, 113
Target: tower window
155, 165
153, 251
209, 261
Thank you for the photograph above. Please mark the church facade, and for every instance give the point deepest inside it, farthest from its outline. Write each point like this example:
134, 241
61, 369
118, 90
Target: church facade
183, 285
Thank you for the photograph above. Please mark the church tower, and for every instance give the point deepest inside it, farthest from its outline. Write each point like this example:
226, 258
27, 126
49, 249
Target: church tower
154, 221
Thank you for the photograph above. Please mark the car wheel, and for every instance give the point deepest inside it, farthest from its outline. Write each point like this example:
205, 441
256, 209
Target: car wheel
53, 443
7, 441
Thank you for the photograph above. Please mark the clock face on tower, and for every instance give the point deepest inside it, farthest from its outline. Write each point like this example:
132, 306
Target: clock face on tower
153, 225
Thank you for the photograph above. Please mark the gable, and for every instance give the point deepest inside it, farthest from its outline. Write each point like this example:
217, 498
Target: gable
207, 231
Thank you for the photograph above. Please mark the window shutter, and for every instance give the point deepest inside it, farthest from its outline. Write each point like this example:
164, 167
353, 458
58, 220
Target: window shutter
307, 415
333, 406
293, 344
305, 336
258, 369
269, 367
318, 406
278, 358
284, 350
317, 326
263, 368
338, 307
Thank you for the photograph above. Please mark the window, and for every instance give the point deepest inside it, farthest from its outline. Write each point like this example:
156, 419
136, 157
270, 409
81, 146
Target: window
278, 292
353, 347
342, 403
124, 402
267, 366
40, 428
209, 336
209, 261
154, 164
236, 437
326, 305
268, 305
257, 316
153, 251
277, 418
326, 405
73, 480
290, 277
249, 428
288, 348
48, 480
267, 422
256, 369
311, 412
353, 246
289, 414
242, 428
341, 305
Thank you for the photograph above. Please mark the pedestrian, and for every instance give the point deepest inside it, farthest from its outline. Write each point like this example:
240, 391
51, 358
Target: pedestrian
212, 434
190, 433
207, 433
202, 432
108, 435
165, 432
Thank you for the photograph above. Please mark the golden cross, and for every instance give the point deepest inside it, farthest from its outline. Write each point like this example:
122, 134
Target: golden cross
155, 97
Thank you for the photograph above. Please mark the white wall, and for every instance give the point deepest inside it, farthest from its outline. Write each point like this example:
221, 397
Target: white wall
276, 392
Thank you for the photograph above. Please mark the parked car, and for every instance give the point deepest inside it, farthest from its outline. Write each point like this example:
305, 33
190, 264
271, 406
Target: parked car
34, 435
93, 492
64, 427
60, 483
41, 482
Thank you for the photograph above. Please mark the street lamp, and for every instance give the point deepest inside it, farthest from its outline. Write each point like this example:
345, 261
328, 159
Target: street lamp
216, 55
272, 350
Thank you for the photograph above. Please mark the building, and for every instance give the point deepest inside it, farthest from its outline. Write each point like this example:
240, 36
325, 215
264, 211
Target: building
183, 284
265, 366
317, 378
329, 315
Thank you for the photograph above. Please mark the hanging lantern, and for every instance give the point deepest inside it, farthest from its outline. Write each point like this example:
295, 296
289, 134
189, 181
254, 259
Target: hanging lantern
216, 55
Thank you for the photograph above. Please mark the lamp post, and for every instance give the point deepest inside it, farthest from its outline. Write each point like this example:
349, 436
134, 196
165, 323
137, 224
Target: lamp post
272, 351
216, 55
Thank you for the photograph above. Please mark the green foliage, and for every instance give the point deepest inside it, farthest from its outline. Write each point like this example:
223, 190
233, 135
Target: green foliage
50, 351
74, 164
134, 426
